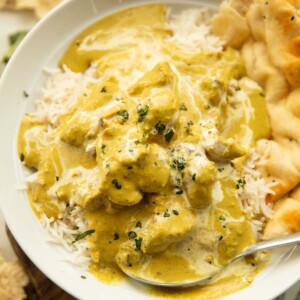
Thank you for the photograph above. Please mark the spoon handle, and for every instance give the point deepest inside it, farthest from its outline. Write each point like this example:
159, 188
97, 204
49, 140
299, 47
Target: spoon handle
269, 244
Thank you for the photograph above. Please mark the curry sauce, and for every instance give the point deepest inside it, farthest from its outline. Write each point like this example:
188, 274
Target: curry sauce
153, 153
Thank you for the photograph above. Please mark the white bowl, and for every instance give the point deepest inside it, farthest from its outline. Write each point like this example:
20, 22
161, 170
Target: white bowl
41, 49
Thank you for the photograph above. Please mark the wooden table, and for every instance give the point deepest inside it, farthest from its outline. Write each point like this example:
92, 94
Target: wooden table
41, 288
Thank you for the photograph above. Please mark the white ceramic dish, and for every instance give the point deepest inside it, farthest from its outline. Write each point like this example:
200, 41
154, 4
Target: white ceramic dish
41, 49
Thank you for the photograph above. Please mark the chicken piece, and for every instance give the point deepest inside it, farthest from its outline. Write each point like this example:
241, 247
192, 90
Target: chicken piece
157, 93
201, 175
81, 126
130, 166
170, 222
225, 150
32, 140
66, 174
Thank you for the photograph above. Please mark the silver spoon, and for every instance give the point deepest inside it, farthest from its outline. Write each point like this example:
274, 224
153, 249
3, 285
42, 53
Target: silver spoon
265, 245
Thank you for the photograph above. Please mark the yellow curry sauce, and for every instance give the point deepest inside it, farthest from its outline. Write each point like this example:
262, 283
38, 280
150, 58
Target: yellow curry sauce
153, 153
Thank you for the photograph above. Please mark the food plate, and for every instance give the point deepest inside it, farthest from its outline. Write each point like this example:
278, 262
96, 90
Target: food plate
42, 49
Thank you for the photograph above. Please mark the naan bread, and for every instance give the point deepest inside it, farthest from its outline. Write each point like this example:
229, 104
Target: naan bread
40, 7
271, 51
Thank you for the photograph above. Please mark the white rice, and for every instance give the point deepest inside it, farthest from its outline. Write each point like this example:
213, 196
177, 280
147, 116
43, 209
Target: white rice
64, 231
61, 92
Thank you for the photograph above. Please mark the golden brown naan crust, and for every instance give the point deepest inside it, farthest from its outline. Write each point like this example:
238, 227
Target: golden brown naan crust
40, 7
271, 50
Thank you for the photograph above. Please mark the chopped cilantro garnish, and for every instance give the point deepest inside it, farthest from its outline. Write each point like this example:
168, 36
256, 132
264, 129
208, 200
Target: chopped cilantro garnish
138, 243
138, 224
182, 107
222, 218
169, 135
116, 236
142, 112
132, 234
241, 183
179, 163
104, 90
83, 235
83, 277
123, 113
231, 164
194, 177
175, 212
160, 128
116, 184
220, 169
103, 148
56, 178
221, 238
25, 94
166, 214
22, 157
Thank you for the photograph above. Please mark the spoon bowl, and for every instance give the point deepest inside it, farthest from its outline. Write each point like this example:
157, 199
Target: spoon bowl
288, 240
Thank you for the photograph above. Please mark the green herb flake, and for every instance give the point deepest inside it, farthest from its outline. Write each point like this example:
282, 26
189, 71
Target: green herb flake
231, 164
129, 167
194, 177
138, 224
182, 107
179, 192
142, 112
179, 163
104, 89
160, 128
103, 148
83, 235
22, 157
221, 238
116, 184
169, 135
116, 236
175, 212
57, 178
138, 243
26, 95
83, 277
198, 154
222, 218
132, 234
124, 114
166, 214
220, 169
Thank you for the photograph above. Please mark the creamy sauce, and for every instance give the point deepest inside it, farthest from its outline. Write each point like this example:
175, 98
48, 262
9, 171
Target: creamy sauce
144, 152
